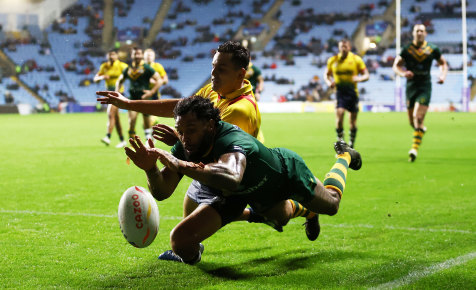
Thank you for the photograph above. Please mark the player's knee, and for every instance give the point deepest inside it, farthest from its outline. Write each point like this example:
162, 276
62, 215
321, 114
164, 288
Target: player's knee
178, 240
333, 209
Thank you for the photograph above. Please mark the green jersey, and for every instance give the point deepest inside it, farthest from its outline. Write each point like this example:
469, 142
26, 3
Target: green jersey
419, 59
271, 174
139, 79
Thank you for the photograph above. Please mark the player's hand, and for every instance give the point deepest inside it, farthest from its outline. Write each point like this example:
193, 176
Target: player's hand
112, 97
147, 94
333, 84
441, 80
106, 77
165, 134
408, 74
167, 159
143, 157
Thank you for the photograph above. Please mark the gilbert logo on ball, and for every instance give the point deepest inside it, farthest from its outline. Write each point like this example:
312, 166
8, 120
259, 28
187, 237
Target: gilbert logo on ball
138, 216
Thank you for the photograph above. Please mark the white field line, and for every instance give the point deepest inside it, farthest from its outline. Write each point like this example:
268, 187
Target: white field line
366, 226
416, 275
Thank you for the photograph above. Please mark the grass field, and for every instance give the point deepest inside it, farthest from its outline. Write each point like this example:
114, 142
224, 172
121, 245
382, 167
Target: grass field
399, 225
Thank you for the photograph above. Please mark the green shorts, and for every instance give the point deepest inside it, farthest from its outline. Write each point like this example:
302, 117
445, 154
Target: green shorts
418, 92
297, 183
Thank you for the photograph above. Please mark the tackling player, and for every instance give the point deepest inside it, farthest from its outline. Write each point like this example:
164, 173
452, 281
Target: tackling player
233, 96
343, 72
417, 58
139, 75
110, 71
239, 169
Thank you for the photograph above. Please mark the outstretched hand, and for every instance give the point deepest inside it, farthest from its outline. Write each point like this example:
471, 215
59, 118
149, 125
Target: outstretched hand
165, 134
112, 97
143, 157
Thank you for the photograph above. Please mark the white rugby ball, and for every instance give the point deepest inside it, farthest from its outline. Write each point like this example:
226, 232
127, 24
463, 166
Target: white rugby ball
138, 216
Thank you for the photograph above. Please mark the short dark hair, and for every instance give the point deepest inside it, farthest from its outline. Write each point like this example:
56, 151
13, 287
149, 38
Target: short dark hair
202, 107
240, 56
136, 48
112, 50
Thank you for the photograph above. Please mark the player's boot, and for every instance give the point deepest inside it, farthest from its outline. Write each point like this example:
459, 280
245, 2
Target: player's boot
106, 140
312, 228
257, 218
355, 159
412, 154
169, 255
121, 144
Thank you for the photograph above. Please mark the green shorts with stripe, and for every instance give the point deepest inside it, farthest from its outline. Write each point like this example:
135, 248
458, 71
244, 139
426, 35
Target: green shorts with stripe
418, 92
298, 183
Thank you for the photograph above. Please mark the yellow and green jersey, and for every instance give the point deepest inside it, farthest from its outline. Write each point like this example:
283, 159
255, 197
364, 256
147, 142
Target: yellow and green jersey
238, 108
343, 71
419, 59
139, 77
113, 70
160, 70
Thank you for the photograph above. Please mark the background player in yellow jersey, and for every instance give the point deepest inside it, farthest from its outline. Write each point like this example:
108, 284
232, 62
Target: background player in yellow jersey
343, 72
149, 58
110, 71
414, 63
232, 94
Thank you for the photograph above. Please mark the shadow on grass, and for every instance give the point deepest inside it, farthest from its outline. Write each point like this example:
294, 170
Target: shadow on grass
275, 265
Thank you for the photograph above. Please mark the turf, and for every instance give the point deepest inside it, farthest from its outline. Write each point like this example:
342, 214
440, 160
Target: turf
400, 224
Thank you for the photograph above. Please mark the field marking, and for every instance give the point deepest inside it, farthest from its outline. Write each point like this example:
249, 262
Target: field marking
366, 226
416, 275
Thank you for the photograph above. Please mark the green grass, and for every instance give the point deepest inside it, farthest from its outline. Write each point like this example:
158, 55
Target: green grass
60, 188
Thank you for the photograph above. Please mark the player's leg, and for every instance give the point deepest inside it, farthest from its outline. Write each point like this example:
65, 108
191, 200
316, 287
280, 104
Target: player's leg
327, 195
353, 128
419, 117
203, 222
340, 113
147, 126
186, 237
110, 124
117, 122
410, 116
132, 123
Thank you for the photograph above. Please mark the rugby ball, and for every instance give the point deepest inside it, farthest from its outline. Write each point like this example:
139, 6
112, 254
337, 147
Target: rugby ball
138, 216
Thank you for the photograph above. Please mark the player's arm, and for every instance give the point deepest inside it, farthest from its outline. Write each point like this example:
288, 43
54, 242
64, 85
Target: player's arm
100, 75
225, 174
329, 79
120, 81
162, 183
259, 87
161, 108
398, 68
157, 81
363, 76
443, 69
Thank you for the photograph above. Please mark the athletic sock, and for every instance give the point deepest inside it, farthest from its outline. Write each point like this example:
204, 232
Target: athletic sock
148, 133
108, 135
340, 133
300, 210
121, 138
352, 134
132, 134
417, 137
336, 177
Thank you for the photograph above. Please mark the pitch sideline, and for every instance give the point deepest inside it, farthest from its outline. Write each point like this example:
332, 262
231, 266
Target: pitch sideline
416, 275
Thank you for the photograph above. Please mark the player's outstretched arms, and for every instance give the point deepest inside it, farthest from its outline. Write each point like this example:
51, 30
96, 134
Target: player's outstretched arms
226, 174
165, 134
113, 98
160, 108
162, 183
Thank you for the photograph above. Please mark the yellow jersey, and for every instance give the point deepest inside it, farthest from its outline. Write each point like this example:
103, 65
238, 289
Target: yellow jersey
238, 108
113, 71
160, 70
343, 70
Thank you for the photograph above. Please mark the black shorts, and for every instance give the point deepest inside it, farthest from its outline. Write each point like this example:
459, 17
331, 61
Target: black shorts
229, 208
350, 102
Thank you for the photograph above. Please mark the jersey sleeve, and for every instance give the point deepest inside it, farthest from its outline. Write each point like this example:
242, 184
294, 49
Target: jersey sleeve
102, 69
436, 53
160, 69
178, 151
360, 64
124, 72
